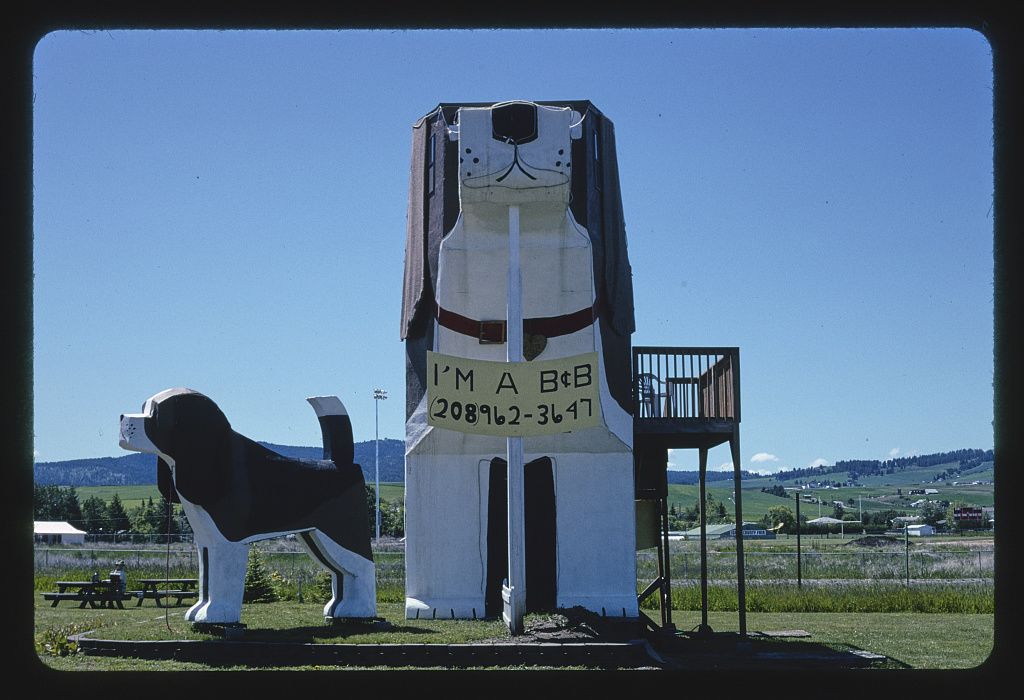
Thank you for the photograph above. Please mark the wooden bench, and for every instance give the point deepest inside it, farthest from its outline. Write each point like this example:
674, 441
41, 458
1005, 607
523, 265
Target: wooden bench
95, 594
151, 589
57, 597
96, 601
162, 595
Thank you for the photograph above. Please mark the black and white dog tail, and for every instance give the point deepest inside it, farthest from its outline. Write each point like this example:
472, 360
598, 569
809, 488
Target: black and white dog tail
336, 428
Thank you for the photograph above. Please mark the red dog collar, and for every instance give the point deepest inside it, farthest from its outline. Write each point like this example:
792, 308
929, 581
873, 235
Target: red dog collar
492, 332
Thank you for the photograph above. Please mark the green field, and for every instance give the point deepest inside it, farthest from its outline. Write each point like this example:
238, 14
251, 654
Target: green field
132, 496
874, 493
392, 493
757, 503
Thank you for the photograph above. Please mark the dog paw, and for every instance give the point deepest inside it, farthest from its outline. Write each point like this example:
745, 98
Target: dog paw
192, 613
210, 613
350, 608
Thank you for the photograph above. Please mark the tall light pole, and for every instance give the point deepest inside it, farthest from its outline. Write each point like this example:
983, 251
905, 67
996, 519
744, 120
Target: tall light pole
378, 396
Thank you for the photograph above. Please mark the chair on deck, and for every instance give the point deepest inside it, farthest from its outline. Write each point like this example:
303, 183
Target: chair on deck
650, 395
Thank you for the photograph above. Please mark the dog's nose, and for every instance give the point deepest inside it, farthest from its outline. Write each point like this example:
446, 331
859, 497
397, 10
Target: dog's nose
514, 123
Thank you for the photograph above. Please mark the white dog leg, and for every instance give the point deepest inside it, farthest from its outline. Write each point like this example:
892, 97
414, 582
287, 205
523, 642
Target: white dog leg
221, 583
353, 578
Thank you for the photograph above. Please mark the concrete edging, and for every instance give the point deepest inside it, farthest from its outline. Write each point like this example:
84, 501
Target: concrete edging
227, 652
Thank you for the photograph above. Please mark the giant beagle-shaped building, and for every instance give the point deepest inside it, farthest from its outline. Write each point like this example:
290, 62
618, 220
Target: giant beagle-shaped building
235, 491
556, 162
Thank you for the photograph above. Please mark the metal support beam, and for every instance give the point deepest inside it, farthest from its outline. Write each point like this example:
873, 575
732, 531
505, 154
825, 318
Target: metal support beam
704, 628
666, 577
664, 553
659, 583
741, 583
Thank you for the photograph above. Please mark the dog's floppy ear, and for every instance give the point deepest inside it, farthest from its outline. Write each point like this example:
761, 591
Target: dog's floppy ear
201, 448
165, 482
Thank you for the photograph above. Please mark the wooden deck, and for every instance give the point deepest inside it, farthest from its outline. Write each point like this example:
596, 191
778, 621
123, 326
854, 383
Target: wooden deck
683, 398
686, 390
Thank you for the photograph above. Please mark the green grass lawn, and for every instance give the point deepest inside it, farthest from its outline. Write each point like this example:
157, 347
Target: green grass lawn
288, 621
909, 640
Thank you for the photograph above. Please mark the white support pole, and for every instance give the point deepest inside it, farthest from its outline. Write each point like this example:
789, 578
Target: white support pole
515, 594
376, 465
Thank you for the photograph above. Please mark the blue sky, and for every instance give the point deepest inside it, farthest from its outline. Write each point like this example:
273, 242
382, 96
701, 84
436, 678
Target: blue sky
225, 210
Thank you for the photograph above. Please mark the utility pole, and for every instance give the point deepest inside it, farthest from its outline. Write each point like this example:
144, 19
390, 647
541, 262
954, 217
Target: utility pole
799, 580
378, 396
906, 538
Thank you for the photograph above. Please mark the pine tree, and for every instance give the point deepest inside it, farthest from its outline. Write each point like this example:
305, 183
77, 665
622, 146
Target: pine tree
94, 514
49, 503
258, 586
70, 507
162, 510
371, 507
117, 517
139, 517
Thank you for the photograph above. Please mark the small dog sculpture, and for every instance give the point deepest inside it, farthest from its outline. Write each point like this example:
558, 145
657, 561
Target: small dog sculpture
235, 491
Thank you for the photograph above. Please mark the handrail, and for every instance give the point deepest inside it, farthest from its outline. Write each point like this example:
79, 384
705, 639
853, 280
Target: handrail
691, 383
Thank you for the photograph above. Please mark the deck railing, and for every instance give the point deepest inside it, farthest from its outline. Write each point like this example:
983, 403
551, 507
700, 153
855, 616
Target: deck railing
686, 383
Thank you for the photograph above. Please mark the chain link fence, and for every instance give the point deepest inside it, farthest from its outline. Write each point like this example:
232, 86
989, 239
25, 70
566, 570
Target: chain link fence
935, 565
295, 568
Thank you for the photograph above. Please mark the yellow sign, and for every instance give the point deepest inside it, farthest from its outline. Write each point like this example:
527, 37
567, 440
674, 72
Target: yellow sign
513, 399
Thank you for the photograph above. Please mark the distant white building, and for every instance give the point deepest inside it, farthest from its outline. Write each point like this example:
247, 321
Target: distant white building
825, 520
57, 532
923, 530
727, 531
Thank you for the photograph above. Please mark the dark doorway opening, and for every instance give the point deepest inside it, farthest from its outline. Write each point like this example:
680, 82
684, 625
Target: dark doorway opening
539, 504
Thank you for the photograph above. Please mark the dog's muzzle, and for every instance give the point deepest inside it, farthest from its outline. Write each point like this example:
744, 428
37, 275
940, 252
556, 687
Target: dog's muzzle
133, 434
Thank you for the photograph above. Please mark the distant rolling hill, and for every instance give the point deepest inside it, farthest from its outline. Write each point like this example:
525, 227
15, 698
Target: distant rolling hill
138, 468
690, 477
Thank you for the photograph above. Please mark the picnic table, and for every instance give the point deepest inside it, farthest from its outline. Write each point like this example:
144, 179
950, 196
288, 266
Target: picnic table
95, 594
151, 588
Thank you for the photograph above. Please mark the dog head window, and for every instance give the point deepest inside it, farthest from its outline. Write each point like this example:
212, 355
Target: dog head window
515, 152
